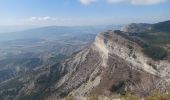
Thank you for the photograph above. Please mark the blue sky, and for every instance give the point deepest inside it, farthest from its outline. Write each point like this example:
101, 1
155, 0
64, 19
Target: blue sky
82, 12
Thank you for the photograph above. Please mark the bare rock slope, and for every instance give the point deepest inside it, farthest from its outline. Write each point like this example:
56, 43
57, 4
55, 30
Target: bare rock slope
113, 64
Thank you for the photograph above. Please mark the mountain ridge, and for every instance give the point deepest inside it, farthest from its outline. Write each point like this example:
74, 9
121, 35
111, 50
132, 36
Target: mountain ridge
115, 64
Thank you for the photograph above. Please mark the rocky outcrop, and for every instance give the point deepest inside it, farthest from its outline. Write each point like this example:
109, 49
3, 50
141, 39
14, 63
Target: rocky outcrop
137, 27
129, 50
113, 64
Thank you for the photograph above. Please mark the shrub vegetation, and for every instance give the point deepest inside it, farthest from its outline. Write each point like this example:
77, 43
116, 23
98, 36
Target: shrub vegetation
155, 53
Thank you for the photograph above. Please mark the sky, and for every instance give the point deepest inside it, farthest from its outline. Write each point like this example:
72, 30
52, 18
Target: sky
82, 12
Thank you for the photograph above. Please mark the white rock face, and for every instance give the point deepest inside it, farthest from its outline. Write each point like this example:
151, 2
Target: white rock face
131, 52
101, 47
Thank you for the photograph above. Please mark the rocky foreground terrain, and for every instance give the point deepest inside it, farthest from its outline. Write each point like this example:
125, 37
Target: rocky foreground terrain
135, 60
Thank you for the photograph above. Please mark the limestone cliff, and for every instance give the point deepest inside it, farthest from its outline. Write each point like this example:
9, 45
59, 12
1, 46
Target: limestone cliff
113, 64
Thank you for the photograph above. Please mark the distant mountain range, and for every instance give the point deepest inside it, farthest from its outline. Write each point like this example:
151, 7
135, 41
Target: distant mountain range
55, 32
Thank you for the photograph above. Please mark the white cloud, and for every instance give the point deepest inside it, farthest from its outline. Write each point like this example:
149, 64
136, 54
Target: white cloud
116, 1
48, 21
46, 18
147, 2
87, 2
138, 2
133, 2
